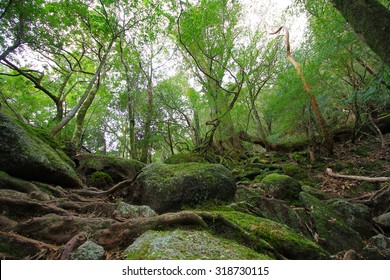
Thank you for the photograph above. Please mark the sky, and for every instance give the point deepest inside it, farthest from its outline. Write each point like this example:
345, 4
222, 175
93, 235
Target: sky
269, 15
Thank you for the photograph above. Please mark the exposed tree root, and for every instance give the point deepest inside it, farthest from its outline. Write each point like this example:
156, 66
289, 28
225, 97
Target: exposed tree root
116, 187
73, 243
107, 232
330, 172
27, 244
26, 207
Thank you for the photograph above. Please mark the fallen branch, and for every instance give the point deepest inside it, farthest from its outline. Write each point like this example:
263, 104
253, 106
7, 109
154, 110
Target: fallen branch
330, 172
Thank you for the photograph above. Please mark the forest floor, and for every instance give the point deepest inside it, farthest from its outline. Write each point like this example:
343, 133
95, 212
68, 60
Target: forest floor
366, 158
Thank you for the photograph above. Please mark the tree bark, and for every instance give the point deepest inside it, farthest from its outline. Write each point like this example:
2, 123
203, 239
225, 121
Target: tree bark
371, 21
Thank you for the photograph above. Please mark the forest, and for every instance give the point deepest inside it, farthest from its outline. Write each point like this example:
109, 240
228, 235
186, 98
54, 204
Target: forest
227, 129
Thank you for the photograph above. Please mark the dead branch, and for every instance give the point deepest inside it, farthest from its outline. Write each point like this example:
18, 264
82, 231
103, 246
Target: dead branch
330, 172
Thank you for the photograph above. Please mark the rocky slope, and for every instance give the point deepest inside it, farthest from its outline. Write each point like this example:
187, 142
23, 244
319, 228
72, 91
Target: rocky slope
270, 206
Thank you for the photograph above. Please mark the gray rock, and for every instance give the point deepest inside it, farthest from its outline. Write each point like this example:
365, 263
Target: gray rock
126, 211
383, 220
24, 155
187, 245
381, 241
88, 251
169, 187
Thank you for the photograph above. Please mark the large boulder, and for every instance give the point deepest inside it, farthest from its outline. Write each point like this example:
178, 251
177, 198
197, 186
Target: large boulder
188, 245
264, 233
25, 155
169, 187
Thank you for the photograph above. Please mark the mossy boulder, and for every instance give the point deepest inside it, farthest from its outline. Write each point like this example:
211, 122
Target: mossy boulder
100, 180
285, 241
295, 171
25, 155
281, 187
333, 232
188, 245
118, 169
169, 187
320, 194
184, 158
357, 216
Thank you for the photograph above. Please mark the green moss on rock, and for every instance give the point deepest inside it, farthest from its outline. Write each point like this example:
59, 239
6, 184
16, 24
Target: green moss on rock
282, 238
26, 156
100, 180
335, 234
184, 158
295, 171
169, 187
188, 245
281, 187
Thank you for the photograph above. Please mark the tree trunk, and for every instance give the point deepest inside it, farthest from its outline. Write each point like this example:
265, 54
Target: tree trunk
371, 21
78, 129
148, 123
325, 130
87, 92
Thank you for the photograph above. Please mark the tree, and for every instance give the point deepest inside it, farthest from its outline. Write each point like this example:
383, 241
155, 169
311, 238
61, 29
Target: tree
371, 20
207, 33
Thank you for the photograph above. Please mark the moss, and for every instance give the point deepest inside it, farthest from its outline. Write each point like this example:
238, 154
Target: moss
281, 187
44, 136
100, 180
184, 158
315, 192
294, 171
361, 151
301, 157
188, 245
285, 241
331, 227
367, 187
26, 156
168, 187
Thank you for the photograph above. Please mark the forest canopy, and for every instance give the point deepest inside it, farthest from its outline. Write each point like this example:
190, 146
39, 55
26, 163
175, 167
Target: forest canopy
147, 79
